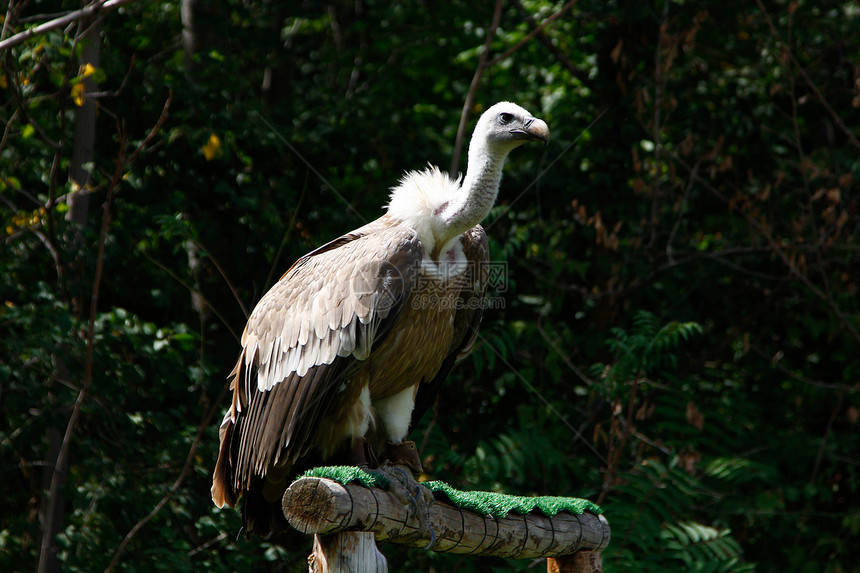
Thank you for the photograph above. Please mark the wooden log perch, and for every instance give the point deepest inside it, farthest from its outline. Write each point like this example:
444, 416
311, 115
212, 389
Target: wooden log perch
324, 506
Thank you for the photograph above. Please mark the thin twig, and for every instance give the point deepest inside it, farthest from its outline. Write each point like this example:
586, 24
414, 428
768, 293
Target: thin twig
560, 56
8, 128
508, 206
186, 468
615, 451
310, 166
119, 167
473, 88
851, 388
543, 398
191, 289
531, 35
208, 544
659, 80
152, 132
576, 370
809, 82
689, 187
276, 260
775, 248
226, 280
7, 21
56, 475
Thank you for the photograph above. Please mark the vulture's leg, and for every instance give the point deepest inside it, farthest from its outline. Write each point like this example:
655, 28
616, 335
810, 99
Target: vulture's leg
360, 454
401, 459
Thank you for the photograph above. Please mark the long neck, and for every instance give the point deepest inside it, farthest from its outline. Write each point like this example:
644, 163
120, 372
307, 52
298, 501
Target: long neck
478, 192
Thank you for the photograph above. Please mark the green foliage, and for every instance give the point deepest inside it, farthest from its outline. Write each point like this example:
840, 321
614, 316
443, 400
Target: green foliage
649, 531
676, 336
648, 348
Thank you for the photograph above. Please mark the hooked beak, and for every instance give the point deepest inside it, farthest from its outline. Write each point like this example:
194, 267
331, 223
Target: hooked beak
534, 129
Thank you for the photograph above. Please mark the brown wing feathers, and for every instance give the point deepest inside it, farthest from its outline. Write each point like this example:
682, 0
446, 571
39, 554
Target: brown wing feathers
326, 322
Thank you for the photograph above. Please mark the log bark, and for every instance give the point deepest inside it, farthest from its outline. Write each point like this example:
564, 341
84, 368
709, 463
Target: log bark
323, 506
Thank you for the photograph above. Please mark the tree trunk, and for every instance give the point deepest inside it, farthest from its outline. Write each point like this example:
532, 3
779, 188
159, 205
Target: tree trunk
189, 34
83, 144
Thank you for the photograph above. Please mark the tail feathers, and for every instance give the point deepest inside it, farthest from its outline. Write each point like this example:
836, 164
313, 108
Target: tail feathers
261, 517
223, 492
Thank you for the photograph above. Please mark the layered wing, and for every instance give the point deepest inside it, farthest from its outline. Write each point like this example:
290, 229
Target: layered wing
470, 306
302, 341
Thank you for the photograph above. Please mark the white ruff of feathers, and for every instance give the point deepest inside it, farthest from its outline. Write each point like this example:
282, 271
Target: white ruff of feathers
440, 208
418, 199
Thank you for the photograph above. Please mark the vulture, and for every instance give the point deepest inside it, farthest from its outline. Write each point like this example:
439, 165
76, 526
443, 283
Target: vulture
347, 350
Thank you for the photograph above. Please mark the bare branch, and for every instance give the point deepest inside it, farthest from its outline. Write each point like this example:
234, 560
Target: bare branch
191, 289
776, 362
473, 87
547, 42
186, 468
56, 478
776, 248
809, 82
483, 64
576, 370
99, 6
155, 129
531, 34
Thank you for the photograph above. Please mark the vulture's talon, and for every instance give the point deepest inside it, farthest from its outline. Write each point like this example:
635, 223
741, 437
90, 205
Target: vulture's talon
417, 498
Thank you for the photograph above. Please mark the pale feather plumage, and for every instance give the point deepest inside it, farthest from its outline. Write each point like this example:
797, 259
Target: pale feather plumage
419, 198
341, 345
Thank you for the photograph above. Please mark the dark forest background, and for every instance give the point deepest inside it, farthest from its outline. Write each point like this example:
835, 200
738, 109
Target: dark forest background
679, 338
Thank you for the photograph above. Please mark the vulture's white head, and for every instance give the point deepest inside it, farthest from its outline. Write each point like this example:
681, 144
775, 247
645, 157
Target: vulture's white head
441, 208
503, 128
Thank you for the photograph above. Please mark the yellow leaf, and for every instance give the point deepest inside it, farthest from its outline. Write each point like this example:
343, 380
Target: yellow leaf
88, 70
78, 94
212, 148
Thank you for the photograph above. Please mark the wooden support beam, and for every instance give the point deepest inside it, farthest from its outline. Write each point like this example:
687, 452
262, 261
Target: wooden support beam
346, 552
579, 562
322, 506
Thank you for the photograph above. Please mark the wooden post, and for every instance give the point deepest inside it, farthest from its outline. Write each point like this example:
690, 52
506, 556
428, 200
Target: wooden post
324, 507
579, 562
355, 551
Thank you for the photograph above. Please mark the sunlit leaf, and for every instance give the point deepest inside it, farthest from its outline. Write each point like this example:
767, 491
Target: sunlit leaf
78, 91
212, 147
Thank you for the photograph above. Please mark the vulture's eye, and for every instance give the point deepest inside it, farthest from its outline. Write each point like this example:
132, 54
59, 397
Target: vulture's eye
506, 118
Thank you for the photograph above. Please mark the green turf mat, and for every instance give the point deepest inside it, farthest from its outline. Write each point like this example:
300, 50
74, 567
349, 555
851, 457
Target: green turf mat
483, 502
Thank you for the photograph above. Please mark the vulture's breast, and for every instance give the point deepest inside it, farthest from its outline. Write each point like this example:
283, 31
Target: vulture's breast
422, 336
